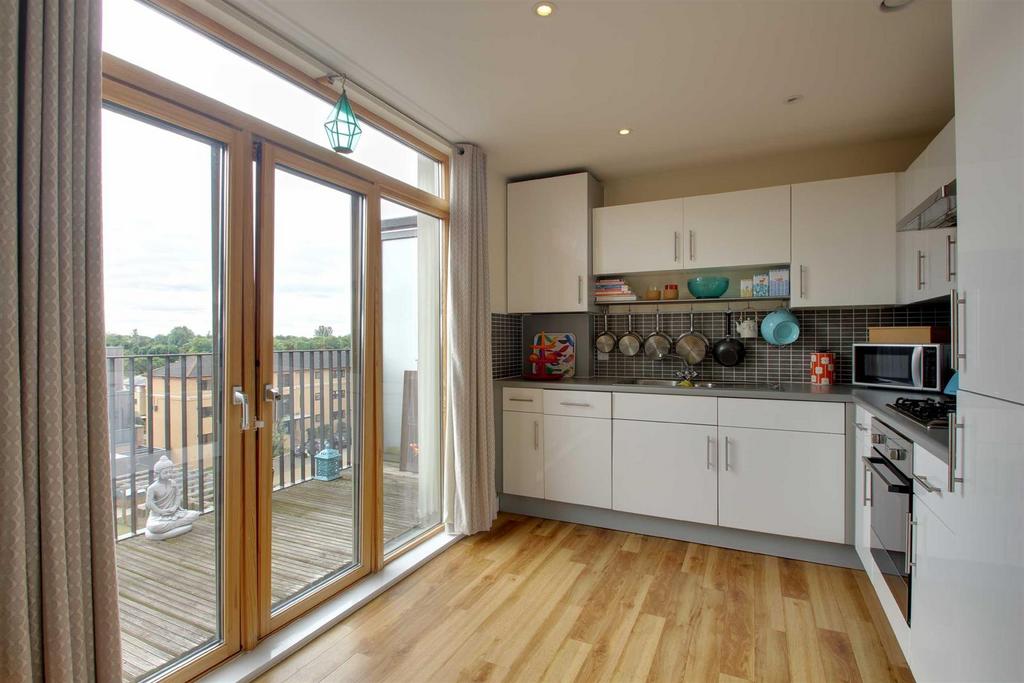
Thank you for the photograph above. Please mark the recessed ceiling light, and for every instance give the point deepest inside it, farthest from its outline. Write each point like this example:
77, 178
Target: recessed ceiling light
793, 99
893, 5
625, 131
544, 9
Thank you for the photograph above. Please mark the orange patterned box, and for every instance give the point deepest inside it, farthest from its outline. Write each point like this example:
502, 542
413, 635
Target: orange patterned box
823, 368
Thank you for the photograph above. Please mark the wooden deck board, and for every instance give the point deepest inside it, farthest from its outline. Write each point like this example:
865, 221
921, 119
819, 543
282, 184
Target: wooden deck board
168, 588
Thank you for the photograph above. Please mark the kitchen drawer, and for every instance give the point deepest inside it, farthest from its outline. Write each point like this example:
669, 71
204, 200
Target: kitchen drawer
578, 403
657, 408
935, 474
798, 416
522, 400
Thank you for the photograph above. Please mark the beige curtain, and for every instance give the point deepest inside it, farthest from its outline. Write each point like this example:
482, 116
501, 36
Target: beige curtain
471, 499
58, 592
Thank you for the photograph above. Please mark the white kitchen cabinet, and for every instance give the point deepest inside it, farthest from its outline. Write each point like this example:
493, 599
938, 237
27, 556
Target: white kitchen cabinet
984, 587
926, 264
932, 169
522, 453
750, 227
862, 488
782, 482
665, 470
578, 460
934, 642
844, 239
988, 69
549, 231
637, 238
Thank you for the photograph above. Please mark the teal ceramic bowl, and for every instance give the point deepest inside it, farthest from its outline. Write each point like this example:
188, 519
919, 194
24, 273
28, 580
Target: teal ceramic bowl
780, 328
710, 287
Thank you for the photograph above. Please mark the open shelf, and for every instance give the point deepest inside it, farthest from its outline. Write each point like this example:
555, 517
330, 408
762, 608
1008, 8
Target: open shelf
691, 301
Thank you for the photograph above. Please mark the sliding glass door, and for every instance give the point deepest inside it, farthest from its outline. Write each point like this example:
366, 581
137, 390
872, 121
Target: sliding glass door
310, 313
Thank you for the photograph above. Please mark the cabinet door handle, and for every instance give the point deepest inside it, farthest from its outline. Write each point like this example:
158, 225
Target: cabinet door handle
693, 246
522, 400
860, 427
868, 484
950, 272
923, 481
675, 247
579, 289
707, 451
536, 435
908, 562
803, 289
951, 459
577, 405
920, 270
726, 454
955, 302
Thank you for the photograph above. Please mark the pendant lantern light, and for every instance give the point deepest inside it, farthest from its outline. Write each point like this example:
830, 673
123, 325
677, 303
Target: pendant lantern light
342, 126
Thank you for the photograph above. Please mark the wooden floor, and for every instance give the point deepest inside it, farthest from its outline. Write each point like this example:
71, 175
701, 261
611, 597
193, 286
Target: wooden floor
538, 600
168, 588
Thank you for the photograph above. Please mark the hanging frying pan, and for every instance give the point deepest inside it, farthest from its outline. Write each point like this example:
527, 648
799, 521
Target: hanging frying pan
630, 343
605, 342
692, 346
658, 344
729, 351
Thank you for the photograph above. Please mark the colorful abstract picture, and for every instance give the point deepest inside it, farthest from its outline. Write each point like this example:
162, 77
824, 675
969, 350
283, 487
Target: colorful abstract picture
552, 356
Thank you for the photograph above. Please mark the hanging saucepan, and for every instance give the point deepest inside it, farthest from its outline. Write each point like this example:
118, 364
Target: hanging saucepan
730, 350
605, 342
658, 344
692, 346
630, 343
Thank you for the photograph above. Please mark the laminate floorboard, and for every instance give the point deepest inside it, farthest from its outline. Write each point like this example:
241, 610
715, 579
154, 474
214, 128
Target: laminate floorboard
536, 600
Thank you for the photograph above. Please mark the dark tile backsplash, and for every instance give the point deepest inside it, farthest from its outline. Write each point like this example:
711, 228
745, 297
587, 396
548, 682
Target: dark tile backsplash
506, 345
821, 329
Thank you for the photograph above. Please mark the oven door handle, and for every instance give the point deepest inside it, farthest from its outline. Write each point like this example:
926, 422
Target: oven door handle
900, 486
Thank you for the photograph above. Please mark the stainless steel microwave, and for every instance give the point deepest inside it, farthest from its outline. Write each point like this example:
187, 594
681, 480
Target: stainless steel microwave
924, 367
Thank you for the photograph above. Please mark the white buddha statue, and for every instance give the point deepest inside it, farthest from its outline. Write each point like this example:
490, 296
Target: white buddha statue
167, 518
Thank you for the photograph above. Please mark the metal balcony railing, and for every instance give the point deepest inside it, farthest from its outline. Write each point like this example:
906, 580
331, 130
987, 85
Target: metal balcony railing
172, 404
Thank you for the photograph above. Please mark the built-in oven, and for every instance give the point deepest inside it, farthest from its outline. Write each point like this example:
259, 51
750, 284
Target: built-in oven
891, 470
924, 367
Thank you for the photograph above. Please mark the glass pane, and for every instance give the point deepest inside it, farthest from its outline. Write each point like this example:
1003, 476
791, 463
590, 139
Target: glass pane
315, 450
144, 36
411, 254
162, 225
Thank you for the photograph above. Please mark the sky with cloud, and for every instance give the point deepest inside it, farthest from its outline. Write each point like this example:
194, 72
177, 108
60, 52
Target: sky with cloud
159, 236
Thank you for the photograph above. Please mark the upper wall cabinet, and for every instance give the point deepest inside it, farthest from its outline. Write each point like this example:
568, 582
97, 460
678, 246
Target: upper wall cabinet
549, 228
933, 168
638, 238
844, 242
744, 228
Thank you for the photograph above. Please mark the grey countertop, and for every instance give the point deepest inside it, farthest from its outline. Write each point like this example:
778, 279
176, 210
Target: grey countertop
873, 400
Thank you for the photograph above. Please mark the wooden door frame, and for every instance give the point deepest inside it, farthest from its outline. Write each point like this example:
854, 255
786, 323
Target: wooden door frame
238, 147
365, 441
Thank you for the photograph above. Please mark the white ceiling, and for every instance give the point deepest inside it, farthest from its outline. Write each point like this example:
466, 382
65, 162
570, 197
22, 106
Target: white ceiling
696, 81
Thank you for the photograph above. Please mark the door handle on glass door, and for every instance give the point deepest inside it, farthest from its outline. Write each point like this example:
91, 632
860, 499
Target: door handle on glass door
240, 398
271, 393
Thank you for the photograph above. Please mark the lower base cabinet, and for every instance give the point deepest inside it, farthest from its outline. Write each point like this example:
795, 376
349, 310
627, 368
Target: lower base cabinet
933, 614
522, 448
781, 482
578, 460
665, 470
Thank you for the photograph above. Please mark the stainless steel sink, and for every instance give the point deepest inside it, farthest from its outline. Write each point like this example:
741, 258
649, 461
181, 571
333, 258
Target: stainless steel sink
734, 385
644, 382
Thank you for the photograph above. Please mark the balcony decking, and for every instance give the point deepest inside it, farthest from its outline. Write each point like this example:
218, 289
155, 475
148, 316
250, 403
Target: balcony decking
168, 588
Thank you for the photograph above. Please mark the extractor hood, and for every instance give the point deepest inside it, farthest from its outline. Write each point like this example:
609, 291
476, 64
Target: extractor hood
937, 211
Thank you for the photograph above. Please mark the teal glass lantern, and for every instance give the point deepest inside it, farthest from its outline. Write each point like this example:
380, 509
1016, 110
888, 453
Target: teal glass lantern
342, 127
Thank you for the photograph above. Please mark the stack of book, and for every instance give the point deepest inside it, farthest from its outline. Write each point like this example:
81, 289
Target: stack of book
609, 290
